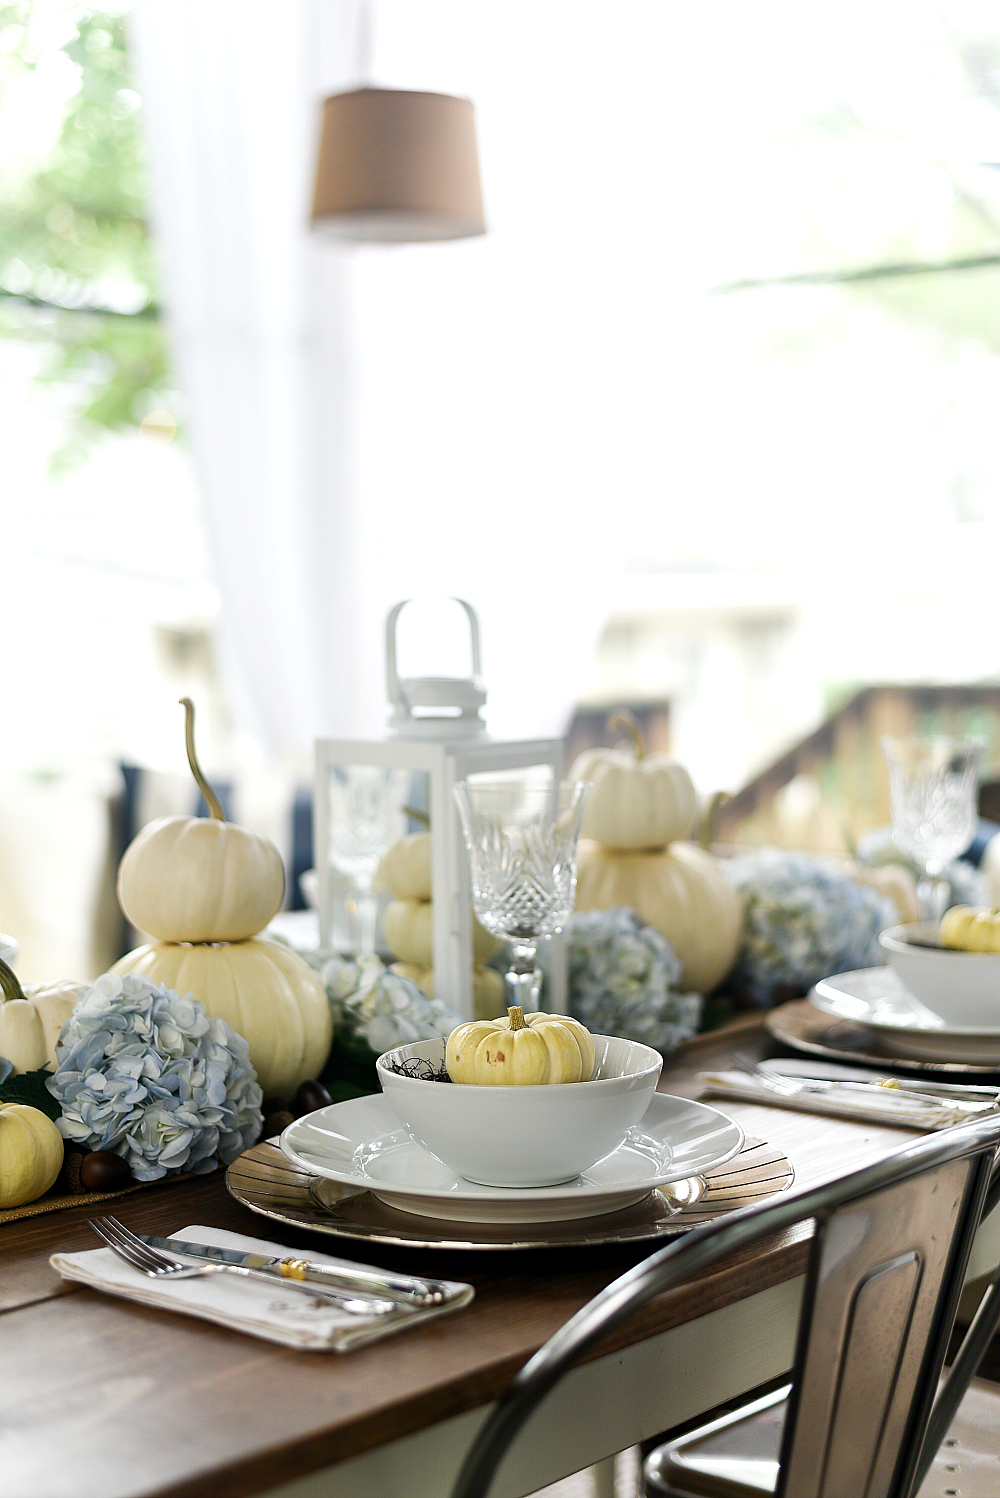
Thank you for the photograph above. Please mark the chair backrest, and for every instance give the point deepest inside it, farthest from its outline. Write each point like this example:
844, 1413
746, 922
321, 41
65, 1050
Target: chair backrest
887, 1263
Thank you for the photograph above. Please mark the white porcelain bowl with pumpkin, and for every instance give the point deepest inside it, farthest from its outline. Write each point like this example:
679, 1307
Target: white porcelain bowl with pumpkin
540, 1135
961, 988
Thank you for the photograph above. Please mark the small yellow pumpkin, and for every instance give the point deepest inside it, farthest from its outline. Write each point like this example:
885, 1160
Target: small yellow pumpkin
969, 929
31, 1154
520, 1050
488, 986
405, 868
639, 800
263, 990
200, 878
409, 931
31, 1018
682, 891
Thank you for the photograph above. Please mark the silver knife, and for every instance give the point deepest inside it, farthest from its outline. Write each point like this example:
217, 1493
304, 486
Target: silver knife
403, 1288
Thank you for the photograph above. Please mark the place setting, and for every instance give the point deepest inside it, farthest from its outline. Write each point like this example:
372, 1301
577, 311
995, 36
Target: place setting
934, 1007
466, 1147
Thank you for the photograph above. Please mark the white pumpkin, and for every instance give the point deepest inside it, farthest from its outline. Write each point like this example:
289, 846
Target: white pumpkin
409, 931
520, 1050
31, 1018
488, 987
200, 878
639, 800
682, 891
263, 990
893, 881
405, 869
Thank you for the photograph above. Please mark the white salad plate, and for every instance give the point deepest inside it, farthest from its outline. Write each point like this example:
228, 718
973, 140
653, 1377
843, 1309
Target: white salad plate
360, 1143
875, 996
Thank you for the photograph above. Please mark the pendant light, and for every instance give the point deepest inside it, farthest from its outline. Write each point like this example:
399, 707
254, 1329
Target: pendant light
396, 166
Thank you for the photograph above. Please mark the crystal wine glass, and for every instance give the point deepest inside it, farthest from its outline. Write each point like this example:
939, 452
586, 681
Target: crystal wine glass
522, 840
932, 794
366, 815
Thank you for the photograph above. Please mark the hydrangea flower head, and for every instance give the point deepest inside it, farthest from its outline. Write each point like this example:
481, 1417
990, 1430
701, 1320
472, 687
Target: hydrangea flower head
145, 1073
803, 920
621, 980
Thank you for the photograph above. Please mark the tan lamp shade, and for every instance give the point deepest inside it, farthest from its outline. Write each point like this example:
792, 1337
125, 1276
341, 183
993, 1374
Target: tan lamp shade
397, 166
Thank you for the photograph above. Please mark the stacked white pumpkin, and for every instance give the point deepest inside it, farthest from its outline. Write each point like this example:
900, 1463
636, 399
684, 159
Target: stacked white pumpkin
204, 887
405, 873
634, 853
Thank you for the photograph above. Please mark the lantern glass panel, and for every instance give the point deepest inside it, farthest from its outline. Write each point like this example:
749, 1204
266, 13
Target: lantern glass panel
367, 814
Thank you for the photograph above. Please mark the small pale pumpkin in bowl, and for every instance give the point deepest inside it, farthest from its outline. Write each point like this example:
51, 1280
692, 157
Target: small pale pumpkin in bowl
520, 1050
522, 1135
970, 929
31, 1018
200, 878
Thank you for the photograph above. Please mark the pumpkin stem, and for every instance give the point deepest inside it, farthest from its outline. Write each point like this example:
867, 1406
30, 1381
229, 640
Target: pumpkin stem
10, 988
211, 799
516, 1016
622, 718
710, 816
418, 816
850, 841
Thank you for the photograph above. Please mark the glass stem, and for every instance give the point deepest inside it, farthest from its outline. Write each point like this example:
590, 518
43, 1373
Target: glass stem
932, 892
524, 978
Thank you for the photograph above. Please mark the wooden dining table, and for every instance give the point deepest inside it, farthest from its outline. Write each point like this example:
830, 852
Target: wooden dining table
104, 1398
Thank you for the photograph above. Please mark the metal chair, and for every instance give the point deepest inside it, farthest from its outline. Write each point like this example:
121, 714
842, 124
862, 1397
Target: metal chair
887, 1263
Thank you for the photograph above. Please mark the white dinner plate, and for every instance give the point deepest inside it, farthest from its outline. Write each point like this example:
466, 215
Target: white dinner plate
875, 996
360, 1143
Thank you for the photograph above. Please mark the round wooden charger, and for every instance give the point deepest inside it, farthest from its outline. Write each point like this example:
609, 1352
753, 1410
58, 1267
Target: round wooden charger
264, 1180
805, 1028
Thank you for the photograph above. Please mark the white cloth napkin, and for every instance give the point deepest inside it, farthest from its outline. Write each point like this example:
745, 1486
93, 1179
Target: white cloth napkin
275, 1313
879, 1105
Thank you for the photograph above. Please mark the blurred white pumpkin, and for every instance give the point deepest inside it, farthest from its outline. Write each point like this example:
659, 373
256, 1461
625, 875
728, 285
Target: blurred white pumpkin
639, 800
31, 1018
488, 987
680, 890
409, 931
263, 990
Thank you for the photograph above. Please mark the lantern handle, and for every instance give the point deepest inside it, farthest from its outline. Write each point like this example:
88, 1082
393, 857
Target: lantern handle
391, 674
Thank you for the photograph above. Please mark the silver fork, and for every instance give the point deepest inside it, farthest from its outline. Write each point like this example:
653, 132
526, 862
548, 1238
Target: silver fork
161, 1266
790, 1086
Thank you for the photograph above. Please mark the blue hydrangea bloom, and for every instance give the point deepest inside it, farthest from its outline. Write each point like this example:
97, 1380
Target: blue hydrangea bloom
146, 1074
621, 978
381, 1007
803, 920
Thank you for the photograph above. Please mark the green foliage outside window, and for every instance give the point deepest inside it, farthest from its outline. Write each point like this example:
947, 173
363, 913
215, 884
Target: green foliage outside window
78, 272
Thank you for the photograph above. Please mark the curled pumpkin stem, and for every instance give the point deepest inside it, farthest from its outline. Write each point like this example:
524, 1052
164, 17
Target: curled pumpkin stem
211, 799
710, 816
516, 1016
10, 988
622, 718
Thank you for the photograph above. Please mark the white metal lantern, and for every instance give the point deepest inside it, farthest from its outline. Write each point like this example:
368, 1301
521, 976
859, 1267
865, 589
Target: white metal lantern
436, 731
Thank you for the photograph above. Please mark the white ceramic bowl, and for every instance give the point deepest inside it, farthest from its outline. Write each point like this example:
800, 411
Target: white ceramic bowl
524, 1136
962, 988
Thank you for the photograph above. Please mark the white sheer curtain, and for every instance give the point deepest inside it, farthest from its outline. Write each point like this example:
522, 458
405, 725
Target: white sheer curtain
258, 312
356, 437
